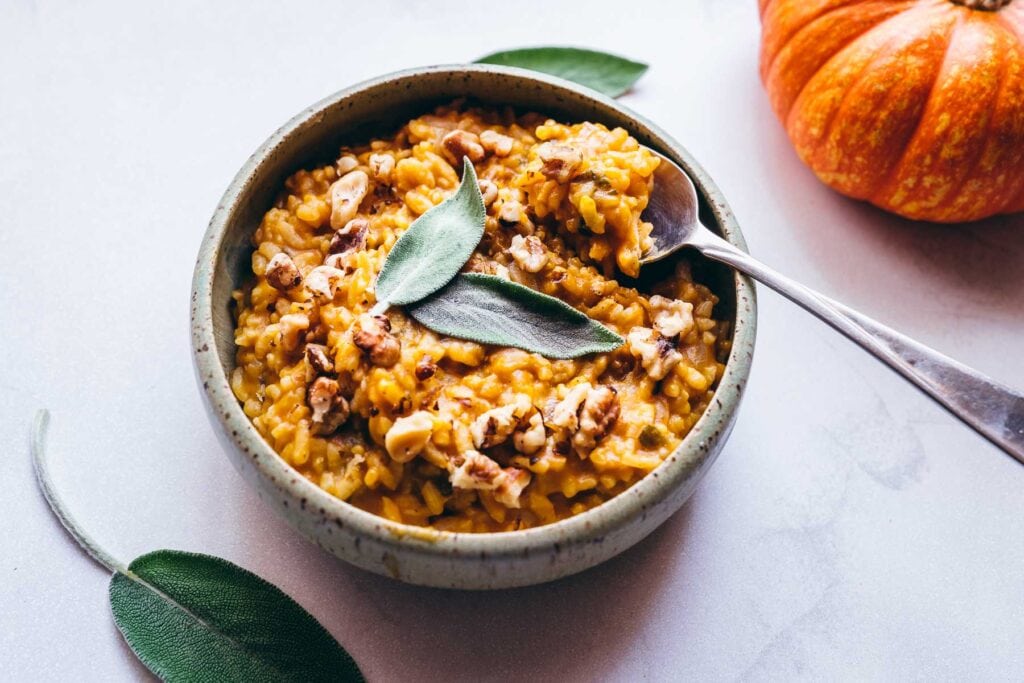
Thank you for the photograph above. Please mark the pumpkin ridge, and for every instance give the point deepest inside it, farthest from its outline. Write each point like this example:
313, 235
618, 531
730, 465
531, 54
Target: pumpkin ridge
861, 76
825, 11
1012, 18
951, 198
874, 194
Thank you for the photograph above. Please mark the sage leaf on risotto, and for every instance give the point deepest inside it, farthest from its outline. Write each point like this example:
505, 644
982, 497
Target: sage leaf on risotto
492, 310
606, 73
434, 248
192, 617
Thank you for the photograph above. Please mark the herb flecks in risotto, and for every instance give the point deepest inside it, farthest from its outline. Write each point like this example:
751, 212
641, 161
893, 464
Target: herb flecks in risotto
436, 431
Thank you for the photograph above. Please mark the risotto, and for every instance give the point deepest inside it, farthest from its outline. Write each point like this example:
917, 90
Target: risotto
433, 431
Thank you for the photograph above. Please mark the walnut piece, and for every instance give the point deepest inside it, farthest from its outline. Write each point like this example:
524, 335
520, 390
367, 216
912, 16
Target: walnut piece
511, 211
373, 337
282, 274
560, 161
565, 414
531, 435
488, 190
318, 360
529, 253
497, 144
381, 166
425, 368
479, 472
496, 425
347, 193
292, 327
330, 409
350, 237
408, 436
599, 413
323, 282
672, 317
657, 353
346, 164
462, 143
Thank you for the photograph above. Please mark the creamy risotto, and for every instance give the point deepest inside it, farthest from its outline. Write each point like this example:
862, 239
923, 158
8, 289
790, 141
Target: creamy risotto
433, 431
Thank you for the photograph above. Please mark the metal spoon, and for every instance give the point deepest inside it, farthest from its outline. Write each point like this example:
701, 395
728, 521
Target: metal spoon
993, 410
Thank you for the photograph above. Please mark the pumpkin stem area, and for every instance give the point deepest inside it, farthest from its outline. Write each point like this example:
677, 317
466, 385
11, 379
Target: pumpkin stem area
984, 5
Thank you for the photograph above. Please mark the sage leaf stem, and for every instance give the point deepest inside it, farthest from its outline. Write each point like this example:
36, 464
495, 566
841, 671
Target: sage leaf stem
42, 470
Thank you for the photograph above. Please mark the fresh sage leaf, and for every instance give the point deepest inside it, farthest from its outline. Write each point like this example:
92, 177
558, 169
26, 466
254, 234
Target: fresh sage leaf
606, 73
196, 617
191, 617
492, 310
434, 248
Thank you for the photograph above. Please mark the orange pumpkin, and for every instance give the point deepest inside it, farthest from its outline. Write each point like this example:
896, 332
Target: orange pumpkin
916, 106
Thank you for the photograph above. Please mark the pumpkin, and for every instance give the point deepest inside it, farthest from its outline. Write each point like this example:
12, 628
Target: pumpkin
916, 106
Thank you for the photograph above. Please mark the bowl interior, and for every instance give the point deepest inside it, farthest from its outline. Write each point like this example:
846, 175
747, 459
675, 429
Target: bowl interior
379, 107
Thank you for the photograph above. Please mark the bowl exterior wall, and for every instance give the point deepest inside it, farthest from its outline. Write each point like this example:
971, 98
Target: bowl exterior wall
411, 554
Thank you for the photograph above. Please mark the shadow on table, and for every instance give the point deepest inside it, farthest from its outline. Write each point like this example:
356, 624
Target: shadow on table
982, 262
574, 628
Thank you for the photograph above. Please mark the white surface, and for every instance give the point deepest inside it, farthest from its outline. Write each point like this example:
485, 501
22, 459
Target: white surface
850, 529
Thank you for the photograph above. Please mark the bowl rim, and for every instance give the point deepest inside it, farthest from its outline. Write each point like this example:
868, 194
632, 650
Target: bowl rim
590, 525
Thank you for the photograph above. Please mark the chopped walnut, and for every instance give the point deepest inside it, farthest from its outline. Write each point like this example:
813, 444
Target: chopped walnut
672, 317
488, 190
479, 264
564, 415
599, 413
318, 360
330, 409
496, 425
373, 337
381, 166
351, 237
346, 164
462, 143
479, 472
282, 274
531, 435
323, 282
497, 144
560, 161
347, 193
529, 253
425, 368
408, 436
511, 211
657, 353
292, 327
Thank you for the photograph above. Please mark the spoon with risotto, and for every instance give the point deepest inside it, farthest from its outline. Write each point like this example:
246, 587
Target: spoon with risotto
992, 409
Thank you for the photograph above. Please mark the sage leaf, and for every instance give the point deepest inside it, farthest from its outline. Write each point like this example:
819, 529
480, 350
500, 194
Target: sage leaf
191, 617
196, 617
492, 310
606, 73
434, 248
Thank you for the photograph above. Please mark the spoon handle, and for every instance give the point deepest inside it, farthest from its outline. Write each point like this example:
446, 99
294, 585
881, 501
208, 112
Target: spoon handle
993, 410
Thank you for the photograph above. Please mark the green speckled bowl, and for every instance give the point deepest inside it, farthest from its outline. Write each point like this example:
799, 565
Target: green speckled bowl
414, 554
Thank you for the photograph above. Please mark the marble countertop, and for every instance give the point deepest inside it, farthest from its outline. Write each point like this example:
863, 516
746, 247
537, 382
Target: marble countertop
850, 529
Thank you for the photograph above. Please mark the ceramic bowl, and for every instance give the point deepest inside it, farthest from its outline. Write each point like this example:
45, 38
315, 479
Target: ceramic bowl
414, 554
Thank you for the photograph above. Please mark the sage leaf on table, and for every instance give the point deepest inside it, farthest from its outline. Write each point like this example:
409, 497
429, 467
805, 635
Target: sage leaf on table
434, 248
606, 73
492, 310
192, 617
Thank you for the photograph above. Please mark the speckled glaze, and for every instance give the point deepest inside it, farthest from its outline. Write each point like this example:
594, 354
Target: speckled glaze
413, 554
